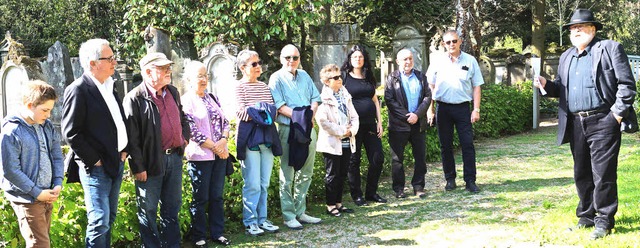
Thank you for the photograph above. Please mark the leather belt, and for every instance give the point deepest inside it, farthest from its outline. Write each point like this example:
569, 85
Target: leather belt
170, 150
589, 113
444, 103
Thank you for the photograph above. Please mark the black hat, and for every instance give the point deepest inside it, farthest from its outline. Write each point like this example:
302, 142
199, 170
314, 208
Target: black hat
582, 16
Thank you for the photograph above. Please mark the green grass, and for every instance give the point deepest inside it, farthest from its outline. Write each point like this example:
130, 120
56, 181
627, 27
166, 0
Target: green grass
528, 199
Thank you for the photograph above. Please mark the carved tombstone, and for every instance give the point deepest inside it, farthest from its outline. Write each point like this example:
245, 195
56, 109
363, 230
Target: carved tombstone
220, 61
409, 37
488, 69
331, 44
59, 74
516, 69
15, 71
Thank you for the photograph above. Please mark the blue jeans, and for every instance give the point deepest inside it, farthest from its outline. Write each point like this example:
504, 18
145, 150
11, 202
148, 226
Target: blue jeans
165, 189
256, 172
101, 199
207, 181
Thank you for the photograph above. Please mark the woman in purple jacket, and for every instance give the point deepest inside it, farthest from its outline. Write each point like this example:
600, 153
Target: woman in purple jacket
207, 154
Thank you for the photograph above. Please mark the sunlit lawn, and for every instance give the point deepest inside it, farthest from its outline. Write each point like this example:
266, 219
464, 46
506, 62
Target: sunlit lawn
527, 200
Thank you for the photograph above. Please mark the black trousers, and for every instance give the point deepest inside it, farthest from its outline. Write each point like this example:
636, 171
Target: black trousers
595, 145
336, 168
397, 142
367, 135
458, 115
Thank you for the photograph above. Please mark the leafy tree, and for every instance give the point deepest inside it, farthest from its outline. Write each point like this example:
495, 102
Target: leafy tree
379, 19
264, 25
38, 24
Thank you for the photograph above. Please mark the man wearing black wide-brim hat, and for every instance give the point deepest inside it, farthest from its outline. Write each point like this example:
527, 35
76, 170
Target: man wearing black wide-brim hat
596, 91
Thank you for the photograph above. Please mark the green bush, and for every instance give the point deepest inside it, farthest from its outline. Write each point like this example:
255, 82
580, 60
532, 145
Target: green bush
505, 110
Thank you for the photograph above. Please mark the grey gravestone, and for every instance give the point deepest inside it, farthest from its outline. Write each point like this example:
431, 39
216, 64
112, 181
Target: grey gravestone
516, 69
330, 46
59, 73
220, 61
12, 76
488, 69
76, 67
407, 36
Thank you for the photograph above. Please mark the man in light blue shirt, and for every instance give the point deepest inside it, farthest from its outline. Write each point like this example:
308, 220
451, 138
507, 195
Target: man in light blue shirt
455, 80
408, 97
292, 87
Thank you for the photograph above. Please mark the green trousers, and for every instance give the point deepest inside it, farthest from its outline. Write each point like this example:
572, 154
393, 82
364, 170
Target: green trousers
294, 184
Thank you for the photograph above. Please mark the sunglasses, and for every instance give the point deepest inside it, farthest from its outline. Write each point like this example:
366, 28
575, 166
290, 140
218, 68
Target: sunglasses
295, 58
335, 77
256, 64
451, 41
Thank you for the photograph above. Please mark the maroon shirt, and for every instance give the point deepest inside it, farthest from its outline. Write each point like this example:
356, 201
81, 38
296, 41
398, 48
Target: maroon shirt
170, 126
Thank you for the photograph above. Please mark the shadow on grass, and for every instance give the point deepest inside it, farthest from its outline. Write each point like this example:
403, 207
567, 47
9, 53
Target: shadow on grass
531, 184
625, 224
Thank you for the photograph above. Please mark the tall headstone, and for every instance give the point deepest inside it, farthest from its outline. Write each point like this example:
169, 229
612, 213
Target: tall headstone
59, 74
409, 37
220, 60
15, 71
330, 46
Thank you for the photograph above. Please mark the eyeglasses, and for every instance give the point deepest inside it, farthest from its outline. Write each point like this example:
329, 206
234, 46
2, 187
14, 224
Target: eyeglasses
166, 68
451, 41
357, 57
295, 58
202, 76
110, 59
335, 77
256, 64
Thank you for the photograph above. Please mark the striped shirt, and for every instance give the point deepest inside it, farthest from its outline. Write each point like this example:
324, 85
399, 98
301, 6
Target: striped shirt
248, 94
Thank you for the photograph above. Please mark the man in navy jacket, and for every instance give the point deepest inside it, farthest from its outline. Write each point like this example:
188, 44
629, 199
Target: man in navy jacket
596, 91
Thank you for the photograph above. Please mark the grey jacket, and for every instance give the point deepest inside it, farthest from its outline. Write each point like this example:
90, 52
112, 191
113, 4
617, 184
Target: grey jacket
21, 159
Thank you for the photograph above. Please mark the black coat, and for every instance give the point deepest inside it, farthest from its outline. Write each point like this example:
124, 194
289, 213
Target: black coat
145, 138
398, 107
612, 78
89, 128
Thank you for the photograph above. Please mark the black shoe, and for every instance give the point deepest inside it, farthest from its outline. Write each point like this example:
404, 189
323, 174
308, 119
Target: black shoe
222, 240
360, 201
472, 187
400, 195
582, 223
376, 198
344, 209
451, 185
420, 193
599, 233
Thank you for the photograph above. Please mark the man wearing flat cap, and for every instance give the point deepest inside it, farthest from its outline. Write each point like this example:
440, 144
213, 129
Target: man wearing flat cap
158, 132
596, 90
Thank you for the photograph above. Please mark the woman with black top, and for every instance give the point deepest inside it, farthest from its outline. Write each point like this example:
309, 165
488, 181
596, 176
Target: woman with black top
360, 83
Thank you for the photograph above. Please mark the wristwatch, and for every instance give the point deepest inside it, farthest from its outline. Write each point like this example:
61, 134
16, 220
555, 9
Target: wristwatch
476, 110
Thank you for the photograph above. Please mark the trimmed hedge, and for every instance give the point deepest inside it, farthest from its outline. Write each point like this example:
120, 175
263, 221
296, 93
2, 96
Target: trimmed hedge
505, 110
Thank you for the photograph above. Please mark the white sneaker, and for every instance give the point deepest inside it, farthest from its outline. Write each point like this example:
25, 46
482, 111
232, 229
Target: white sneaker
254, 230
293, 224
267, 226
304, 218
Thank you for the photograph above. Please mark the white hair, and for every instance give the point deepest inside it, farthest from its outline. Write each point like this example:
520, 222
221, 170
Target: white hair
90, 51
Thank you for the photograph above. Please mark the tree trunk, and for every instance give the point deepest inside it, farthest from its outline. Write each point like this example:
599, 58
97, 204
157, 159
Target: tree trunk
537, 29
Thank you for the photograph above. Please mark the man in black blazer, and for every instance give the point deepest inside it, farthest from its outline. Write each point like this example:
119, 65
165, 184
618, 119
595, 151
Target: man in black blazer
93, 123
407, 96
596, 91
